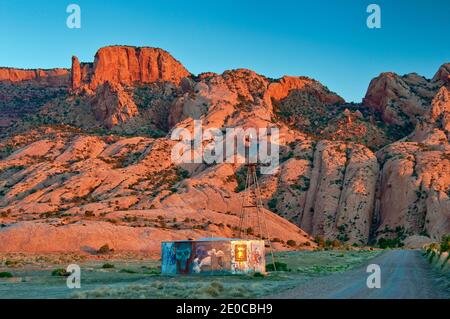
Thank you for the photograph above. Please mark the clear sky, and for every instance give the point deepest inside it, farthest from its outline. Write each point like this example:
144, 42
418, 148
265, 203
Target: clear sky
326, 40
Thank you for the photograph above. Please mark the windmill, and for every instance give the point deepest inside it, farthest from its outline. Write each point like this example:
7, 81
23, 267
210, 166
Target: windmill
252, 221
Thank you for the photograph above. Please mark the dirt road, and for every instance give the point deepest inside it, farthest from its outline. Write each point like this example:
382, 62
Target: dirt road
405, 274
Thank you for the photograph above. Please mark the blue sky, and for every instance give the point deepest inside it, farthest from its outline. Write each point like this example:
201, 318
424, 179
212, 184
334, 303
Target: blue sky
326, 40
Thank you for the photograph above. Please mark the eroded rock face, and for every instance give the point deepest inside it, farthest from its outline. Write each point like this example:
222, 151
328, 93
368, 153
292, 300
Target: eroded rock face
414, 190
281, 89
112, 105
440, 111
443, 74
329, 189
414, 186
238, 91
52, 77
130, 66
400, 99
221, 97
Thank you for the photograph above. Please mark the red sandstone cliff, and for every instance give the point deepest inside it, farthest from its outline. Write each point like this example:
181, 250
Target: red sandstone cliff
127, 65
54, 77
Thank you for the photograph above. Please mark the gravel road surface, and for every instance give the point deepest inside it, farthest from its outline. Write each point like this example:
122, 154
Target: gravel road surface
405, 274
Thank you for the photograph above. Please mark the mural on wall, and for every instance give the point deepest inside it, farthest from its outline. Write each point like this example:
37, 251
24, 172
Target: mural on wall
183, 253
169, 262
240, 253
257, 260
247, 256
212, 257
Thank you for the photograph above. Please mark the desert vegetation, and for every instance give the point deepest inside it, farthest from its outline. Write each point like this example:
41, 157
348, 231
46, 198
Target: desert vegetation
137, 278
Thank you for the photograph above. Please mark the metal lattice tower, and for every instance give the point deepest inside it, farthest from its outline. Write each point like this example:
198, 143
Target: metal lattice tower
252, 221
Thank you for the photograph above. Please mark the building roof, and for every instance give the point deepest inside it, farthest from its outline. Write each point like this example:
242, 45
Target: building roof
209, 240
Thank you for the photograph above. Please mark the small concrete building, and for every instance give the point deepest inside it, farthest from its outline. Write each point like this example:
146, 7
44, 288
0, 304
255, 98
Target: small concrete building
213, 256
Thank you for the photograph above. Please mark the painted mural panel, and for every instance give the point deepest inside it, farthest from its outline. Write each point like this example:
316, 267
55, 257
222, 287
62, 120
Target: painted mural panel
196, 257
168, 260
247, 256
213, 257
183, 257
257, 258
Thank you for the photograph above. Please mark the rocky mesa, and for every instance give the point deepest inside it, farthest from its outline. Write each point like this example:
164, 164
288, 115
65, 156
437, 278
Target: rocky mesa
127, 66
52, 77
89, 164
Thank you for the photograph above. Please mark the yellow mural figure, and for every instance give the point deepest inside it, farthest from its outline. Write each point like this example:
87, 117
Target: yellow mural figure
241, 253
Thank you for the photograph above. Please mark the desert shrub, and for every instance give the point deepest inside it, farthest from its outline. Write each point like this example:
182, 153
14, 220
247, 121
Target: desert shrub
240, 177
182, 173
384, 243
343, 237
291, 243
6, 275
60, 272
273, 204
287, 156
431, 256
445, 243
89, 213
104, 249
108, 266
13, 263
303, 184
280, 266
319, 240
396, 239
6, 213
213, 290
162, 224
431, 247
128, 271
217, 285
335, 243
152, 270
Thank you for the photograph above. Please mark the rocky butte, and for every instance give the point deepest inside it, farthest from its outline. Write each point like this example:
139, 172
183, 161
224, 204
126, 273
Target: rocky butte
127, 66
85, 156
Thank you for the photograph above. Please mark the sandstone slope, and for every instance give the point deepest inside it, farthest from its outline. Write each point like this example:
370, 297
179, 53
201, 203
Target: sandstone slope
92, 165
